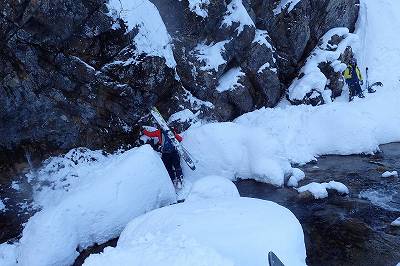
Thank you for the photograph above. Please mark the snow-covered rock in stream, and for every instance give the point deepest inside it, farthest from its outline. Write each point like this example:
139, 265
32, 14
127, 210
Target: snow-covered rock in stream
97, 208
390, 174
223, 231
320, 190
296, 177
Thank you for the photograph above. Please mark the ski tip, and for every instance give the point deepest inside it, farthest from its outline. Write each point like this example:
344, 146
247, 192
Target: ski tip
273, 260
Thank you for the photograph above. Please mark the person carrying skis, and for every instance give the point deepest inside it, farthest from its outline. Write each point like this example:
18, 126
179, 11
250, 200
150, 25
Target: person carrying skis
170, 155
354, 80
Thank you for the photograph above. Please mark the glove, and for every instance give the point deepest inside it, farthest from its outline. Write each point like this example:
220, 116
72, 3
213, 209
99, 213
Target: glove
361, 82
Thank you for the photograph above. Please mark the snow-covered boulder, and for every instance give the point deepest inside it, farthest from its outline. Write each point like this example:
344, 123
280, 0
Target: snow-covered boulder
212, 187
390, 174
320, 190
122, 188
234, 231
296, 177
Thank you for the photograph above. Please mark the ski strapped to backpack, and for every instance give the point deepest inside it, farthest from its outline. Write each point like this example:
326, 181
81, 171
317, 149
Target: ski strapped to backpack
178, 146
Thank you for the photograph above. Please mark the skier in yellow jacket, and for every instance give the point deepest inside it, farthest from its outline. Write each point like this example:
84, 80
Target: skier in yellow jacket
354, 80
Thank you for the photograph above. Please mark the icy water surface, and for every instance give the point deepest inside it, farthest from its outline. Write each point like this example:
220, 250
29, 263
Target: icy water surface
350, 230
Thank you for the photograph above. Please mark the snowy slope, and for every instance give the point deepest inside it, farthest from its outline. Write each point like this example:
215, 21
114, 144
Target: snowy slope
380, 24
273, 138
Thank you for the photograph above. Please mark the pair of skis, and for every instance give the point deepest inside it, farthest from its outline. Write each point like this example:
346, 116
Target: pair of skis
178, 146
368, 87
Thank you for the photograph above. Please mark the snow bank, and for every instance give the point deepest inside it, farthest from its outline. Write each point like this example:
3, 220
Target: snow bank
390, 174
237, 13
320, 190
396, 222
97, 208
306, 132
152, 37
233, 231
235, 151
313, 78
229, 80
212, 187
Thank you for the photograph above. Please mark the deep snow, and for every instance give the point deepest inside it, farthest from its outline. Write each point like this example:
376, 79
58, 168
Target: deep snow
96, 207
221, 231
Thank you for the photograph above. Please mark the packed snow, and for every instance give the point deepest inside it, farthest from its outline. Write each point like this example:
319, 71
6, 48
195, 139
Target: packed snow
396, 222
222, 231
390, 174
229, 80
283, 4
95, 207
320, 190
237, 13
199, 7
211, 55
212, 187
152, 37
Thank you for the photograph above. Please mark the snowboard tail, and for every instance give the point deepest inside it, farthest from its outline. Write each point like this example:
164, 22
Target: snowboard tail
182, 152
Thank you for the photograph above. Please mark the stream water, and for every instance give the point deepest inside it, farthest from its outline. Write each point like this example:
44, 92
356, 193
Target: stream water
345, 230
338, 230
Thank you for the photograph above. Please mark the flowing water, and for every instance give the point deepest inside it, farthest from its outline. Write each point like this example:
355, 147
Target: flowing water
345, 230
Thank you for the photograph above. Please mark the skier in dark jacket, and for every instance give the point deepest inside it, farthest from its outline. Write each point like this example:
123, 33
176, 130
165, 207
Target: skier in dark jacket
170, 155
354, 80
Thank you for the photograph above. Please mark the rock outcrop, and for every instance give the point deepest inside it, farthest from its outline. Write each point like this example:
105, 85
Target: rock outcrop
74, 73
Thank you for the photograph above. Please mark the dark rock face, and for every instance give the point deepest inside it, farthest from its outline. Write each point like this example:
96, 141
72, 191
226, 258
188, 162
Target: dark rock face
69, 77
58, 89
